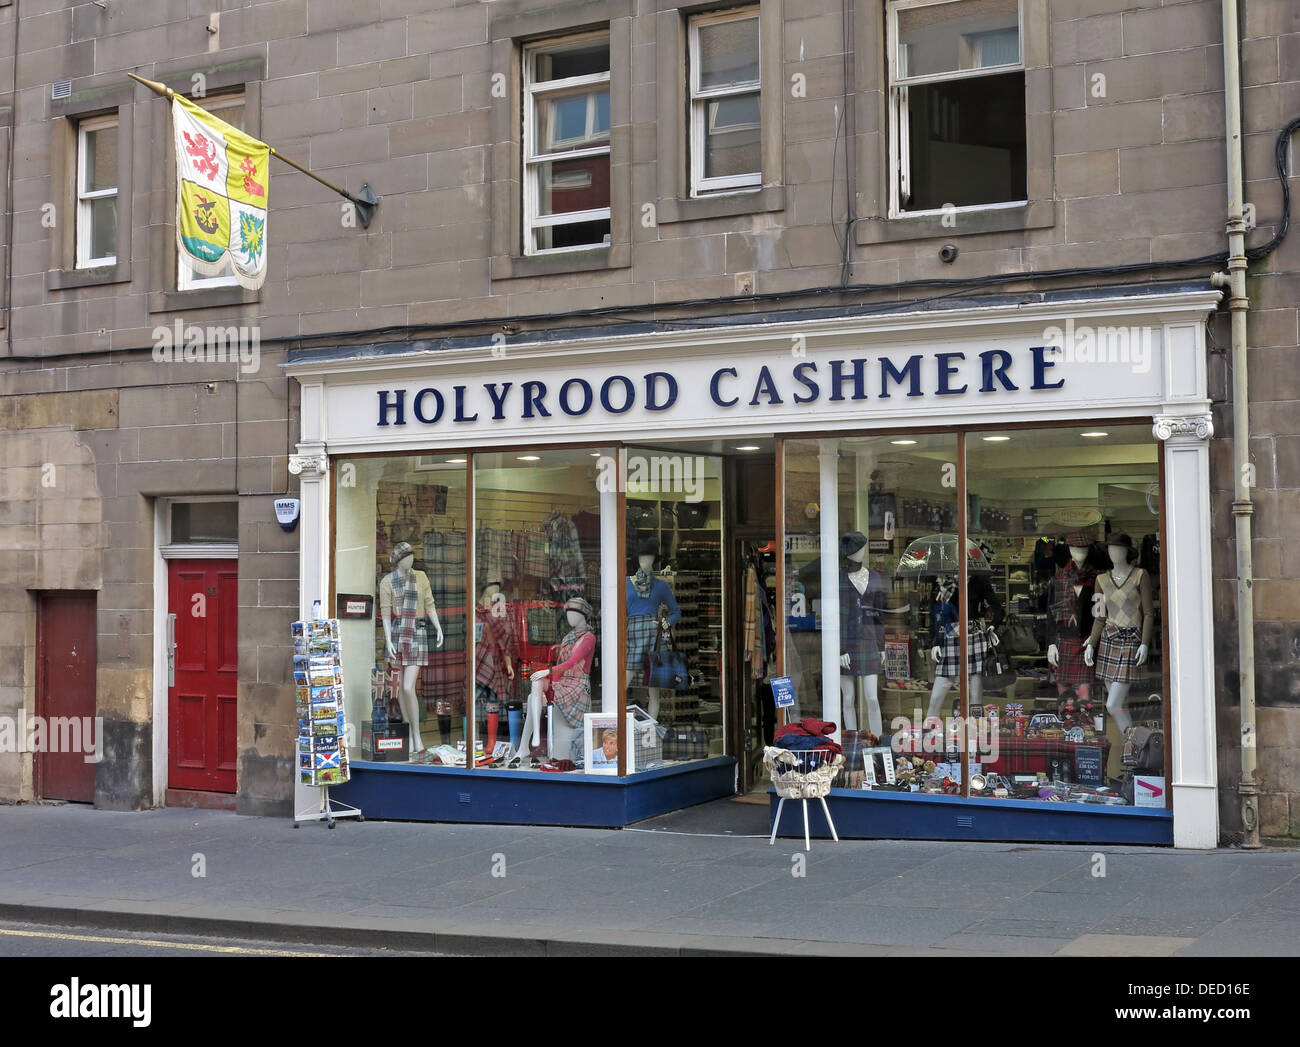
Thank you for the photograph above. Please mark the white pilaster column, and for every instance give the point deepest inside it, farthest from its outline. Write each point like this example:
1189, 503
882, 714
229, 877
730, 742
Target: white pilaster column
1185, 564
311, 466
828, 459
611, 573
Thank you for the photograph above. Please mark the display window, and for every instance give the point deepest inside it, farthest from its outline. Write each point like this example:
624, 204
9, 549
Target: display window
673, 595
982, 606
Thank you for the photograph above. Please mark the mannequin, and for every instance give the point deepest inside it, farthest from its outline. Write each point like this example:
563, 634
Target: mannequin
569, 684
407, 610
645, 595
862, 607
1121, 632
1070, 619
946, 654
495, 652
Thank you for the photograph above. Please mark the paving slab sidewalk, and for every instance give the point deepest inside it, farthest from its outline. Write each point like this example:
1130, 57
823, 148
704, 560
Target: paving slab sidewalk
697, 882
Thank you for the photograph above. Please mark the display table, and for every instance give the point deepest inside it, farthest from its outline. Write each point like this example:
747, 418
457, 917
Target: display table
1030, 755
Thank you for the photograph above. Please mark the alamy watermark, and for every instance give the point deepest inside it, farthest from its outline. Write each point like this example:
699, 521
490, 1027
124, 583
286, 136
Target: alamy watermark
653, 474
190, 343
54, 734
1083, 343
936, 734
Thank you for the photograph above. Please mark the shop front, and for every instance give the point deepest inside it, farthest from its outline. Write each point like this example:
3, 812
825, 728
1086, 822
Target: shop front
976, 540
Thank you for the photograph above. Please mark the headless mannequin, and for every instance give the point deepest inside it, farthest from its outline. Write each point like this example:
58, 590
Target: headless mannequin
406, 696
852, 687
943, 684
1079, 554
562, 734
647, 563
488, 600
1117, 693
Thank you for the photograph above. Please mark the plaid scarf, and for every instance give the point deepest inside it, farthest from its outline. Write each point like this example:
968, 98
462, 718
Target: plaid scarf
407, 600
1065, 608
642, 581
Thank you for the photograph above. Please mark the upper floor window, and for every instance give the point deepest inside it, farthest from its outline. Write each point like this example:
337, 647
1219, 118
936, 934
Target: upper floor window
957, 104
566, 144
723, 63
229, 108
97, 192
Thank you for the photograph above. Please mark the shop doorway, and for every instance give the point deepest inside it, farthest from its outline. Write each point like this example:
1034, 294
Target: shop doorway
202, 697
65, 696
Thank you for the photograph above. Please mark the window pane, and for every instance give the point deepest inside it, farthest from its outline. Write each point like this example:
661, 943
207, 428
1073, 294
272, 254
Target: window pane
674, 573
579, 120
728, 53
731, 138
1048, 503
565, 186
103, 227
894, 564
943, 38
101, 159
536, 548
967, 142
585, 59
579, 234
205, 522
383, 502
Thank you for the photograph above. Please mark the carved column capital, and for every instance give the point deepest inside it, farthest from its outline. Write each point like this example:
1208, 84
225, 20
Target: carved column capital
1184, 427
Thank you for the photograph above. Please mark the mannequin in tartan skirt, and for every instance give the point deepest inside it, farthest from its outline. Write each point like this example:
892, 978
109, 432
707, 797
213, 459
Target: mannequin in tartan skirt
645, 595
1121, 632
407, 611
1070, 621
946, 652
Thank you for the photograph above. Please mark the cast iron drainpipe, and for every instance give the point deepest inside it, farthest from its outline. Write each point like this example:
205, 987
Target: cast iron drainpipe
1242, 506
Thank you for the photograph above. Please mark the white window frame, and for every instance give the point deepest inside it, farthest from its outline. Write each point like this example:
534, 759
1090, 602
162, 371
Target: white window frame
900, 146
86, 197
186, 278
533, 93
700, 97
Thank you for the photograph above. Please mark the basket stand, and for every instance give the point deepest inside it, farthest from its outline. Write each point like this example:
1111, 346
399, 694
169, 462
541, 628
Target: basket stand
802, 775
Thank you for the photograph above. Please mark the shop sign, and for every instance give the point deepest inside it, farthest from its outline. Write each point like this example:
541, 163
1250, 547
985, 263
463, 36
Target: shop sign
1148, 791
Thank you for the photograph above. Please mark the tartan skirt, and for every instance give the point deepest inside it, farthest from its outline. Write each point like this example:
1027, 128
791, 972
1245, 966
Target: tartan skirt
1071, 670
977, 649
641, 632
1117, 654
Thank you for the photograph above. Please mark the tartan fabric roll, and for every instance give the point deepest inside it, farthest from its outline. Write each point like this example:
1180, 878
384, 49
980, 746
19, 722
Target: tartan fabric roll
1117, 654
641, 632
976, 651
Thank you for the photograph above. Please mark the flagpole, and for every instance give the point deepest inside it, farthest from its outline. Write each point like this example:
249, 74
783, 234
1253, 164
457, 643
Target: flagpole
366, 203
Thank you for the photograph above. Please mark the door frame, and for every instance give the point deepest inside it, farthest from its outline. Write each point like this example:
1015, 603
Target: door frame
164, 551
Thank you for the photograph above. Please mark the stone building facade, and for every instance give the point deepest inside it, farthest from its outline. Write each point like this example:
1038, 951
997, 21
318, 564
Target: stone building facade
423, 100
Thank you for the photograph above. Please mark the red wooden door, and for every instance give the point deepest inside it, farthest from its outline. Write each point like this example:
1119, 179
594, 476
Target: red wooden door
202, 749
65, 698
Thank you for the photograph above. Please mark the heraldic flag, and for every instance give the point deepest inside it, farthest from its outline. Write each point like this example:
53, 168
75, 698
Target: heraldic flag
223, 179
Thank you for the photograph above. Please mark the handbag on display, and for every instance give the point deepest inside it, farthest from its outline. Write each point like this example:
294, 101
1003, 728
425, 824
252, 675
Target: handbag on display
406, 528
692, 514
998, 673
1018, 638
664, 667
1144, 749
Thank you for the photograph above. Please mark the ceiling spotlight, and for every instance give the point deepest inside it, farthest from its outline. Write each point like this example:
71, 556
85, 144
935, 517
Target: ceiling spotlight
1094, 434
455, 461
903, 443
530, 458
996, 439
749, 447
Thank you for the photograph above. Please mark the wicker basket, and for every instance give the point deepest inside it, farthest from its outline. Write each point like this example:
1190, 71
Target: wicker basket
804, 774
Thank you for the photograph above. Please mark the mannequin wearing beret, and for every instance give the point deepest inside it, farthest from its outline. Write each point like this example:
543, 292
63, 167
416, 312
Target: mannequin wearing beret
407, 610
645, 595
568, 682
1121, 631
862, 610
985, 609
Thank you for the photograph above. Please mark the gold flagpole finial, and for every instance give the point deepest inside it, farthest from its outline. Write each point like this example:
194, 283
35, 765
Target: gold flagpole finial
153, 85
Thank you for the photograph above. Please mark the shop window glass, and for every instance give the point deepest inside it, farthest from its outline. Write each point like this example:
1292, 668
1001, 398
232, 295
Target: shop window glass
895, 563
673, 578
1061, 512
399, 579
537, 606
